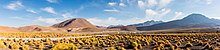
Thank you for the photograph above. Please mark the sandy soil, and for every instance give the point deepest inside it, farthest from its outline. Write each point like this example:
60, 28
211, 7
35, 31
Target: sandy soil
58, 38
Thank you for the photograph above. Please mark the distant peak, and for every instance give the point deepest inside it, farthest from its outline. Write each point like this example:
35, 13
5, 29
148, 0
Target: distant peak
195, 16
75, 18
153, 21
74, 23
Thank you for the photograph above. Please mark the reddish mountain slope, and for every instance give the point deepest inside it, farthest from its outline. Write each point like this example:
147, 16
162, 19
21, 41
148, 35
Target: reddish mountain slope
74, 23
36, 28
8, 29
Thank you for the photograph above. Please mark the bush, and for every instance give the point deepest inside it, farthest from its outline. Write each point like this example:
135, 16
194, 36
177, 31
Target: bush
25, 47
134, 44
111, 48
216, 48
2, 45
188, 44
140, 46
41, 46
64, 46
207, 46
15, 46
135, 48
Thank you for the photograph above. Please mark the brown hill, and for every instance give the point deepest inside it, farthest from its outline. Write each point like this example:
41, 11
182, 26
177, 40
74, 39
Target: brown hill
71, 25
36, 28
8, 29
124, 28
74, 23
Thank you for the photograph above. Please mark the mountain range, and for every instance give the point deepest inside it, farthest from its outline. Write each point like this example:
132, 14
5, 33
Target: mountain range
147, 23
192, 22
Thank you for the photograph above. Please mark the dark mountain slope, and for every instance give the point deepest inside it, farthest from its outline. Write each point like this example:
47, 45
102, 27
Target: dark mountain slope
192, 21
147, 23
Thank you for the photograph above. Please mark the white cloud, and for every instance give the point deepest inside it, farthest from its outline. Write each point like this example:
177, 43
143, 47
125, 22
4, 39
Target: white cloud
111, 10
19, 18
115, 21
49, 10
48, 20
164, 3
66, 15
178, 15
31, 11
80, 9
150, 14
153, 14
141, 4
164, 12
112, 3
103, 22
215, 17
14, 5
209, 1
152, 3
53, 1
122, 5
158, 4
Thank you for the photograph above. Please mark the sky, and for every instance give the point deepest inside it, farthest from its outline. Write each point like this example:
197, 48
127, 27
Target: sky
18, 13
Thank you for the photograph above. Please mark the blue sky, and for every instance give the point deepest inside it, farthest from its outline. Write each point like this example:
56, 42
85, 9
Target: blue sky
17, 13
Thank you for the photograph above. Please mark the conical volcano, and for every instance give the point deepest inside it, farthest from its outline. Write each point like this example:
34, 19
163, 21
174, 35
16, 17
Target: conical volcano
75, 23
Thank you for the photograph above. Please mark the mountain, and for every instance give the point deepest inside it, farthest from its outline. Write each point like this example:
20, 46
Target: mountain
8, 29
36, 28
112, 26
191, 21
147, 23
101, 27
77, 25
74, 23
71, 25
124, 28
187, 30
